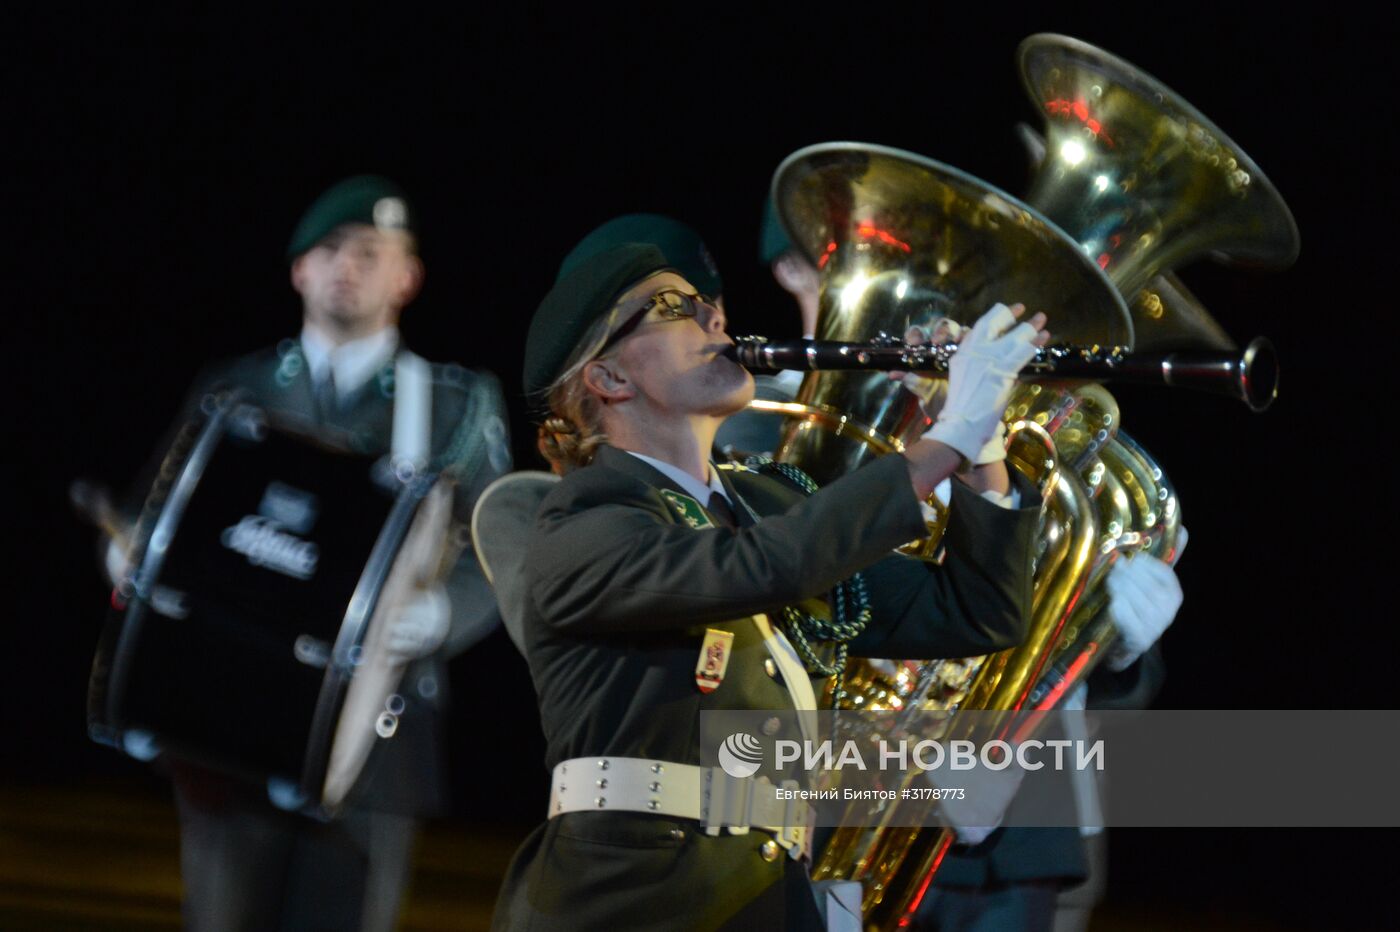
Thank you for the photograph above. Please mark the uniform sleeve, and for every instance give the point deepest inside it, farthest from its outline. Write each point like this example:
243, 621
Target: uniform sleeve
478, 452
605, 558
1134, 688
976, 602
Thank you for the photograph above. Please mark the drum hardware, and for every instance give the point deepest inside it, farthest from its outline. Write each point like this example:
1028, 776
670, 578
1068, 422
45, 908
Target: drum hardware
248, 422
142, 745
388, 722
312, 651
386, 725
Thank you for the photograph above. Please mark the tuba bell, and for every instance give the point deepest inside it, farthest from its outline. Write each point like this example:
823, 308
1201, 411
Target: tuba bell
901, 241
1145, 184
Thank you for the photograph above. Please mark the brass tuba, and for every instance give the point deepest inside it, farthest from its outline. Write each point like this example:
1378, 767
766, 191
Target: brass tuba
1140, 182
903, 240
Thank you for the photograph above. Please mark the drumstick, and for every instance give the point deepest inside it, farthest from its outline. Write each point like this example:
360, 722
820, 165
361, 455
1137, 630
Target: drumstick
93, 502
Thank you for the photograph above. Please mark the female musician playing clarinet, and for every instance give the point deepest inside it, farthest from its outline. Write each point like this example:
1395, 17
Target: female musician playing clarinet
653, 575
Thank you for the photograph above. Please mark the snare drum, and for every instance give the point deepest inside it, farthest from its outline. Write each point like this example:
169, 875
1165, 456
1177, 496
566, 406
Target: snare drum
250, 636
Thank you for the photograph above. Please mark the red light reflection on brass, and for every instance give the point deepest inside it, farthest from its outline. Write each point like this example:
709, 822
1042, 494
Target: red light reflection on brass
871, 231
1079, 110
944, 843
826, 256
1071, 676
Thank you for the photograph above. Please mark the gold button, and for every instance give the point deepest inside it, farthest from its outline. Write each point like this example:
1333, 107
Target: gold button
771, 725
770, 668
769, 851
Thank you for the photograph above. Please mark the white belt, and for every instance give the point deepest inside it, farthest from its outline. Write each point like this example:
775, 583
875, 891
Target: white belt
707, 795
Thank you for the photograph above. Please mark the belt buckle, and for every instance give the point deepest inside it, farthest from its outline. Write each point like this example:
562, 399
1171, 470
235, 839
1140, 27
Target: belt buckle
728, 803
799, 820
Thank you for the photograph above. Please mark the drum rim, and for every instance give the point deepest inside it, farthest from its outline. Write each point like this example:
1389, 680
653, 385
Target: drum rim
353, 627
153, 557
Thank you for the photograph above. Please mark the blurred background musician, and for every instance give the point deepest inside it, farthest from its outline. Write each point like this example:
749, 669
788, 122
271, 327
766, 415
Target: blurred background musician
249, 862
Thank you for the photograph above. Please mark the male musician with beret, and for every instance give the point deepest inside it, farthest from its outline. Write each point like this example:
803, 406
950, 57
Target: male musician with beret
248, 864
645, 555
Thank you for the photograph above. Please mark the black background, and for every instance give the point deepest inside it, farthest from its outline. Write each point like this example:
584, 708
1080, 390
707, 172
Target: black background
158, 163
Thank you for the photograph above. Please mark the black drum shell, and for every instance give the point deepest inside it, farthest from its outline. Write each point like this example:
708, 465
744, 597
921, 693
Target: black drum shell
234, 681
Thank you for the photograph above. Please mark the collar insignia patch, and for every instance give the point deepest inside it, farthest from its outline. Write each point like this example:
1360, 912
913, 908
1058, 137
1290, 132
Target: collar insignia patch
686, 508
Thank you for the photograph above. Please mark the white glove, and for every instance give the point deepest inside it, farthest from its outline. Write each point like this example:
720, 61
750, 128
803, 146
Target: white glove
983, 806
1144, 596
419, 626
933, 393
981, 377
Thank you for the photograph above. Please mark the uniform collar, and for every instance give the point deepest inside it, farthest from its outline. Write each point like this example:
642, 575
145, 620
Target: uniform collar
689, 484
353, 363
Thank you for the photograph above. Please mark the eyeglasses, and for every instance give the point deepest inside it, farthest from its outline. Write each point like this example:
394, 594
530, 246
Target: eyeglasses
671, 304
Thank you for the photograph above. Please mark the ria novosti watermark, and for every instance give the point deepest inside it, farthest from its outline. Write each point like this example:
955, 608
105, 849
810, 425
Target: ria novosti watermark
1212, 768
741, 754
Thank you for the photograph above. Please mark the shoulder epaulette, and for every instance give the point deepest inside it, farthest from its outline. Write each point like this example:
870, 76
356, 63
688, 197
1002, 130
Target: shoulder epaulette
449, 373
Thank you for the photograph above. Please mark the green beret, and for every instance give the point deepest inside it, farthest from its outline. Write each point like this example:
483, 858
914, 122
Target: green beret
367, 199
772, 239
579, 298
680, 244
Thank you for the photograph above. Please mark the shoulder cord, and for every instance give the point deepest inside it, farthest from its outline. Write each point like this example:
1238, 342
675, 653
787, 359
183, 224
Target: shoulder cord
850, 602
459, 458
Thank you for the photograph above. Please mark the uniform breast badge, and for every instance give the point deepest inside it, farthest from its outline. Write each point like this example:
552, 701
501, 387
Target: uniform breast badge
714, 659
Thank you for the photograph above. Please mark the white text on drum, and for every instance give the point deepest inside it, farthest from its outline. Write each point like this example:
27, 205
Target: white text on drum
264, 543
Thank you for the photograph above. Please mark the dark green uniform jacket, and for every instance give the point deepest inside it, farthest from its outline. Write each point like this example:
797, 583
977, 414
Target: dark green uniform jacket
621, 591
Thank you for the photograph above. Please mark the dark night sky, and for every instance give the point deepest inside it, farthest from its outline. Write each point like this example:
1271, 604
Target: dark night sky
157, 165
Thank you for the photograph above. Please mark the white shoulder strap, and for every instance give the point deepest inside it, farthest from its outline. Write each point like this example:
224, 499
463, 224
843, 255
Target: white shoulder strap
799, 684
413, 413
